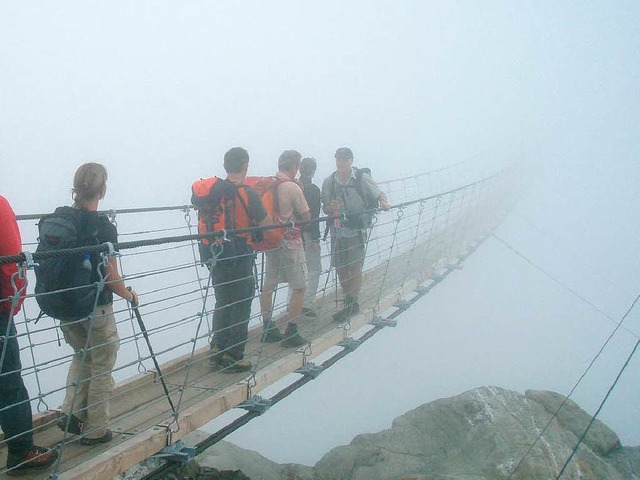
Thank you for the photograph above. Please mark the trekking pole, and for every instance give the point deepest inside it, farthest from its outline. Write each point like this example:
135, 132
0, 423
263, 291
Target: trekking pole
143, 329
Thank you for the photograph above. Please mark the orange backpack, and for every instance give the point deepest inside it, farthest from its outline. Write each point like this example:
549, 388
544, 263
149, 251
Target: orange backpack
267, 188
218, 211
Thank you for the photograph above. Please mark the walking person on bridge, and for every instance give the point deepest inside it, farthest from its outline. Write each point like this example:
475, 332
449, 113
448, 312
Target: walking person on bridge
352, 192
230, 204
286, 264
89, 381
15, 409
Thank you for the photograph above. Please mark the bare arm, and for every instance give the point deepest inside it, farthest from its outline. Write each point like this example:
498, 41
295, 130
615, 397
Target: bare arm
116, 284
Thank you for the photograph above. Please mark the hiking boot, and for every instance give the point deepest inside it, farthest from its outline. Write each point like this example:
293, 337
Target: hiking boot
309, 312
33, 460
106, 438
292, 338
351, 308
355, 308
228, 364
214, 353
75, 424
342, 315
349, 301
270, 334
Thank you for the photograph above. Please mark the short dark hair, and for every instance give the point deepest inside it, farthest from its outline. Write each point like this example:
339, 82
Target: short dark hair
289, 159
344, 153
308, 167
235, 159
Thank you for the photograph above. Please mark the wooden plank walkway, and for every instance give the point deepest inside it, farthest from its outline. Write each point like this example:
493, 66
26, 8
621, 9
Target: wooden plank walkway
140, 410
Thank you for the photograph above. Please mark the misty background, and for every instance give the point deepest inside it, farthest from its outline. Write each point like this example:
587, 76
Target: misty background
158, 93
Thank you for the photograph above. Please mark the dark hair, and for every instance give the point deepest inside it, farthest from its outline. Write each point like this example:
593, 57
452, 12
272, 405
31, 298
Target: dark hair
288, 160
235, 160
308, 167
88, 182
344, 153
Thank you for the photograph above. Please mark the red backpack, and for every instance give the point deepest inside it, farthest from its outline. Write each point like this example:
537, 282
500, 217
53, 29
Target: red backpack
267, 188
217, 211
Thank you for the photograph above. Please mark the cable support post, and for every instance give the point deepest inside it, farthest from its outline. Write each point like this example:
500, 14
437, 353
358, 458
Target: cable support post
177, 452
28, 263
402, 304
310, 369
251, 382
378, 321
349, 344
255, 404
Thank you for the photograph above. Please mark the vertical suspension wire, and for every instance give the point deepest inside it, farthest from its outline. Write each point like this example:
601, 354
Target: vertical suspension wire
100, 285
399, 216
194, 342
42, 404
251, 381
22, 274
427, 248
187, 218
421, 207
458, 235
141, 366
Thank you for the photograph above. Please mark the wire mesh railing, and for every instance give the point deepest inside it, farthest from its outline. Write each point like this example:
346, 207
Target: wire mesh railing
422, 230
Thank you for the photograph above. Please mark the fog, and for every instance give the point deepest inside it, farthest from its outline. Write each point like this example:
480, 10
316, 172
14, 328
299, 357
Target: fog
158, 92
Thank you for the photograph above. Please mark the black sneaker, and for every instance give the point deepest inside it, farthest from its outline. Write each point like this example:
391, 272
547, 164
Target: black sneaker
75, 424
271, 334
292, 338
355, 308
229, 364
350, 309
106, 438
309, 312
33, 460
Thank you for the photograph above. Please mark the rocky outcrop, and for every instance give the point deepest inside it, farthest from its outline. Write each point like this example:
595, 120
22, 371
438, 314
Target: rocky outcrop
487, 433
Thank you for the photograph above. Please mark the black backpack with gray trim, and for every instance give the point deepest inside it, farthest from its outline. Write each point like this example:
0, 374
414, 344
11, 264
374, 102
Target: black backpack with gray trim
65, 285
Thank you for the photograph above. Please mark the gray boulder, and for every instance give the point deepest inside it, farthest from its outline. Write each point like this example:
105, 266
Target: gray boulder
484, 434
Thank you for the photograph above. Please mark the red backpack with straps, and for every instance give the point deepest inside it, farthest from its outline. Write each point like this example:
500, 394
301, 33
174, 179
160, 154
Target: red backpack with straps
267, 188
219, 209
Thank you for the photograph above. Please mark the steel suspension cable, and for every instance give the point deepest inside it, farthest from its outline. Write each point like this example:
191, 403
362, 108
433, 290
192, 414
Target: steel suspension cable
606, 397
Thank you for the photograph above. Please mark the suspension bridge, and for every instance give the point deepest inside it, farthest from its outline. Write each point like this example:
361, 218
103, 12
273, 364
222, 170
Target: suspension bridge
411, 249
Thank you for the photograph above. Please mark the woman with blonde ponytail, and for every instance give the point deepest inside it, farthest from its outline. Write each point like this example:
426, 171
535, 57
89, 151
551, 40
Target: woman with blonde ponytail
86, 405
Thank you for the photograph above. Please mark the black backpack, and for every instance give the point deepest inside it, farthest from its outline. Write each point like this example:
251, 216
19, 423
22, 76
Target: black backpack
360, 220
65, 286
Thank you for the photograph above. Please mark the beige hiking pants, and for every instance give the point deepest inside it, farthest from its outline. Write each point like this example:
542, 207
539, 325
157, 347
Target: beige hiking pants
93, 374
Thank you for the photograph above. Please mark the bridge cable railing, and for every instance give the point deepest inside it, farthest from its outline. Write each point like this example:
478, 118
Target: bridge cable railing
389, 235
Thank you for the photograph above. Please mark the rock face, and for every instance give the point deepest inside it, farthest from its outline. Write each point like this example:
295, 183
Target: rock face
481, 434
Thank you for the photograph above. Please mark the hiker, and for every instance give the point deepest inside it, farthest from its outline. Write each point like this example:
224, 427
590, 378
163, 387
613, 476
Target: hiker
311, 236
85, 410
15, 409
230, 204
349, 191
286, 264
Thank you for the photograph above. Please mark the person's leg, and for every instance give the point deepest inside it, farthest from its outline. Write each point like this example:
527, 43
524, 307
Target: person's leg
295, 274
271, 277
15, 409
104, 350
243, 293
77, 390
273, 260
221, 275
314, 269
